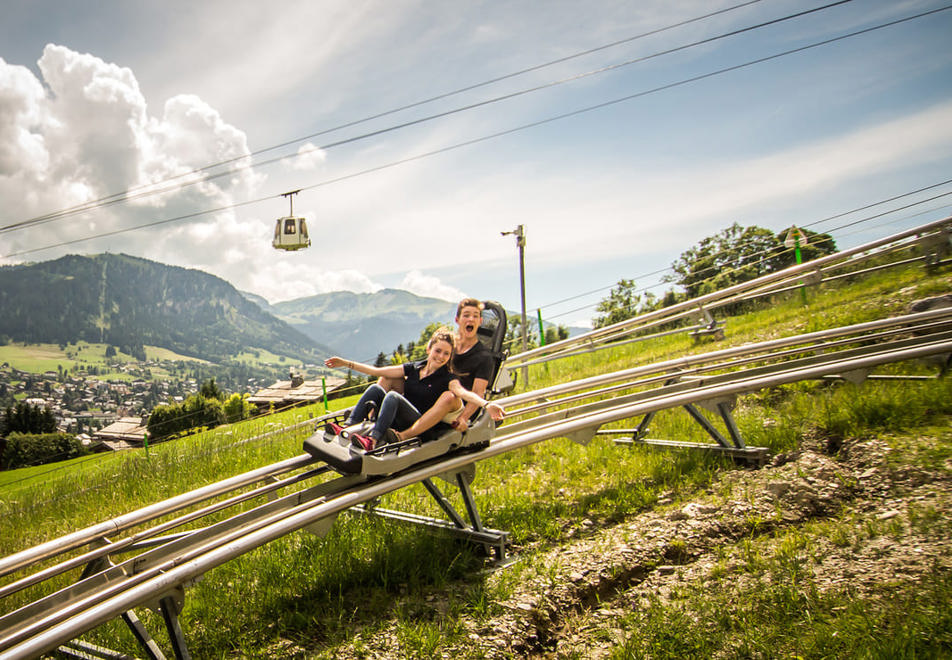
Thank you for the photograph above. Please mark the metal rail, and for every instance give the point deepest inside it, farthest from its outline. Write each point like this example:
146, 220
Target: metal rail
814, 341
121, 523
931, 238
57, 627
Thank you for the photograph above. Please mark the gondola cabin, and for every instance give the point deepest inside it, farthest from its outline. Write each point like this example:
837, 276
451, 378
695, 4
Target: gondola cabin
290, 233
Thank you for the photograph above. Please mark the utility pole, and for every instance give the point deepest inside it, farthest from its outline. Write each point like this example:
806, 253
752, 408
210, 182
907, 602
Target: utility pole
520, 234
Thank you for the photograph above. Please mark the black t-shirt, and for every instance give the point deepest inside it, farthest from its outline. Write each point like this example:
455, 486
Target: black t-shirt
475, 363
423, 393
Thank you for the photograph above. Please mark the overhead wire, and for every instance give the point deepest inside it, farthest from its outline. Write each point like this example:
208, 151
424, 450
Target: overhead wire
764, 254
491, 136
122, 196
149, 190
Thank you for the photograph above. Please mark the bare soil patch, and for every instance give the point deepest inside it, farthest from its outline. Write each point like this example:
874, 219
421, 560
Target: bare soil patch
570, 608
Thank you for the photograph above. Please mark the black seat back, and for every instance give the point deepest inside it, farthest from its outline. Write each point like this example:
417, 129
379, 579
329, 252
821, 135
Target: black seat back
492, 335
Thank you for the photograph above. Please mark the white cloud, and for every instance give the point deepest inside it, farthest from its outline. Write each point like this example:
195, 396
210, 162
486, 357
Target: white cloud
623, 182
279, 276
309, 157
90, 135
429, 286
22, 148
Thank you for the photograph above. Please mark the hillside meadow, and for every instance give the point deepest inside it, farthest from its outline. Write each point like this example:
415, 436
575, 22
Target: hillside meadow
742, 576
39, 358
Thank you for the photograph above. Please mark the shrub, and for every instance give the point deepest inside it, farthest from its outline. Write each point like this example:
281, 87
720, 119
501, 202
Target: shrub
24, 449
237, 408
197, 411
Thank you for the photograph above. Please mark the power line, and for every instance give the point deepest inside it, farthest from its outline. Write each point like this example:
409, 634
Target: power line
124, 196
484, 138
765, 254
882, 201
149, 190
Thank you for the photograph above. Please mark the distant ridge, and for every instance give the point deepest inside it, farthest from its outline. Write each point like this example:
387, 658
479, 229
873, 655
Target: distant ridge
361, 325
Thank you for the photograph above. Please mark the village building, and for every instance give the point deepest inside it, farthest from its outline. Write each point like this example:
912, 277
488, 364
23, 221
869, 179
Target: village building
294, 392
124, 433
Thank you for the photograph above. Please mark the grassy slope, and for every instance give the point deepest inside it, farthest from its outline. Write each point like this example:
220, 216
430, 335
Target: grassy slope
37, 358
309, 596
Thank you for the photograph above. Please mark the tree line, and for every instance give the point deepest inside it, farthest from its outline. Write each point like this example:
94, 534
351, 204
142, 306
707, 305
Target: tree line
208, 408
734, 255
28, 437
28, 433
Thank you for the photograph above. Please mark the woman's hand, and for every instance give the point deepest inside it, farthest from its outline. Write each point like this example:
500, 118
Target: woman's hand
334, 362
460, 423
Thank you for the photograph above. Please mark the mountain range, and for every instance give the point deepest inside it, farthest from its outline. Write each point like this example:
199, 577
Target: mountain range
130, 302
362, 325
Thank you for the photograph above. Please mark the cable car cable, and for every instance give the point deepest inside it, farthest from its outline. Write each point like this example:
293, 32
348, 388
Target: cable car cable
109, 199
834, 229
149, 189
541, 122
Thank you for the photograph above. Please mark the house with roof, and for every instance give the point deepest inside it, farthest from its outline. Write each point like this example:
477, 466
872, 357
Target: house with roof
295, 392
124, 433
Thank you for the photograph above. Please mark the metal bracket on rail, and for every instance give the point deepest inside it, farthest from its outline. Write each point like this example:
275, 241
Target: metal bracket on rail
935, 247
711, 327
495, 542
733, 445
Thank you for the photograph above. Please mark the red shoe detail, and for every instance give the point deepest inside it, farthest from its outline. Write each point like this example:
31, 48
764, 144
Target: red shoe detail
364, 441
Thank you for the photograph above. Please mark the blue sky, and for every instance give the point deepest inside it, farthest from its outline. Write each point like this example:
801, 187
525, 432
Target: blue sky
98, 98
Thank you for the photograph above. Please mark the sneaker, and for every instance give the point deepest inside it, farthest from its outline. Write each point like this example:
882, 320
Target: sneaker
366, 442
332, 429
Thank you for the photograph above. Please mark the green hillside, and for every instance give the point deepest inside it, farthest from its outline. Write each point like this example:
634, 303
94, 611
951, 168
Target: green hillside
131, 303
837, 548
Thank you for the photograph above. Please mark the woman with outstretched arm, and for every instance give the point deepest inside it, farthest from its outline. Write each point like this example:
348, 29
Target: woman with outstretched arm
424, 382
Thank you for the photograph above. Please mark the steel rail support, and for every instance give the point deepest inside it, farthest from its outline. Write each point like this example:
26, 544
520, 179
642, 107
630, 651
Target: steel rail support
170, 614
494, 541
149, 645
736, 447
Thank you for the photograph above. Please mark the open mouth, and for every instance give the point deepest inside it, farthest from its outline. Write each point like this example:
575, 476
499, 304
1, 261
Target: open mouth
470, 327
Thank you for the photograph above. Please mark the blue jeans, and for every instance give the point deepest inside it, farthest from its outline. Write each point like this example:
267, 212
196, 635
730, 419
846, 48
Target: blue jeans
393, 409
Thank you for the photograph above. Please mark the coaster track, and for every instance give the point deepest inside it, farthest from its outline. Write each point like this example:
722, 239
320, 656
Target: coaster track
296, 494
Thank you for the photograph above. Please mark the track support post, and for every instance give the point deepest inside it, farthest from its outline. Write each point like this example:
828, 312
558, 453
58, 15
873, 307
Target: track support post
494, 541
171, 608
732, 445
